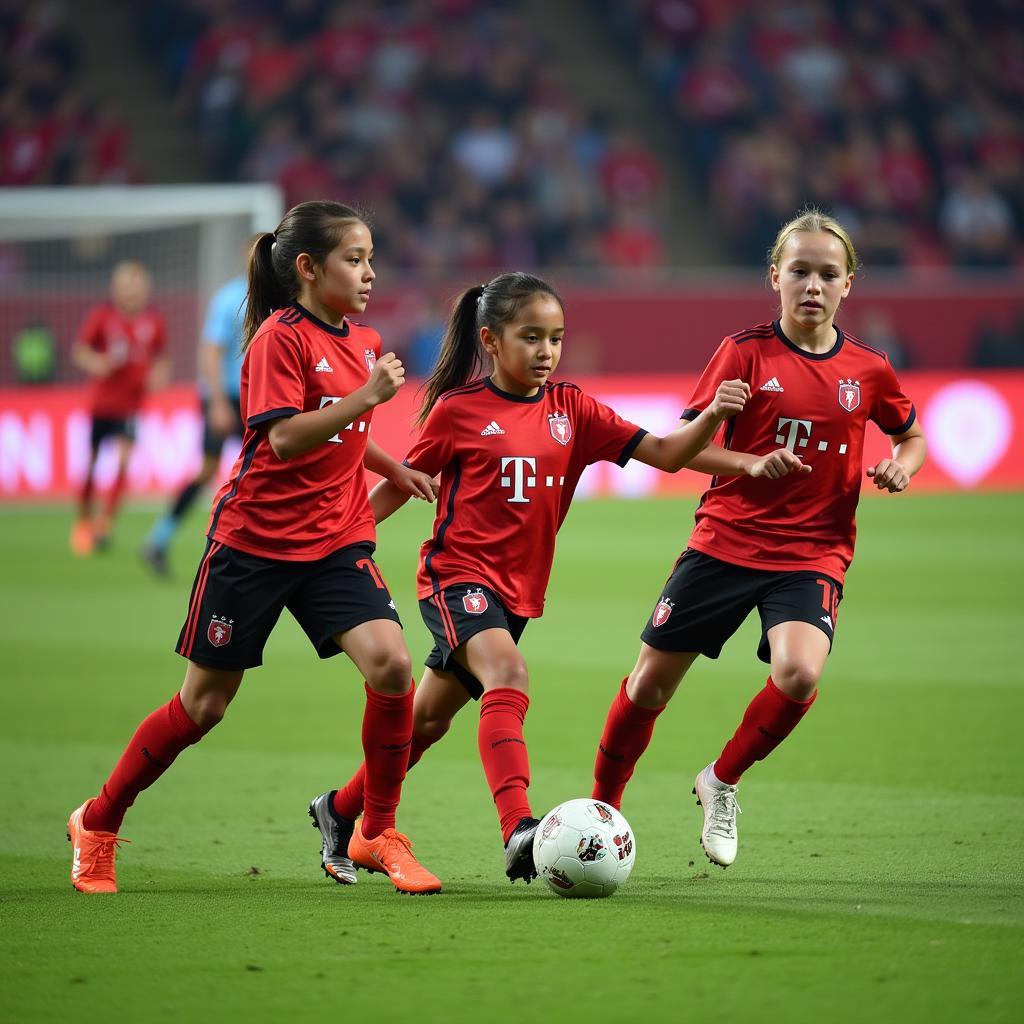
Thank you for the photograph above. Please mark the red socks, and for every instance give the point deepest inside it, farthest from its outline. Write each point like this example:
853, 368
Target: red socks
503, 753
387, 735
113, 499
348, 801
85, 496
627, 731
157, 742
770, 717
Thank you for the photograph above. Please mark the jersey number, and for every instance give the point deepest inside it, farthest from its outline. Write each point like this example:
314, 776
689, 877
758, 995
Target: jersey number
829, 598
371, 567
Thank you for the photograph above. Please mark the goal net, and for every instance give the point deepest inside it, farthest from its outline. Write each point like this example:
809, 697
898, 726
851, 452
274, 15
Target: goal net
57, 249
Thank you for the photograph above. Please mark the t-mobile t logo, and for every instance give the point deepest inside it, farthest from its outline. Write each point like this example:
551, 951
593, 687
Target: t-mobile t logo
791, 438
360, 425
518, 481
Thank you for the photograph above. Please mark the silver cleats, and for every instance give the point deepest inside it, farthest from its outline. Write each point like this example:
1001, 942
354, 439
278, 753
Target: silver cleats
336, 832
519, 851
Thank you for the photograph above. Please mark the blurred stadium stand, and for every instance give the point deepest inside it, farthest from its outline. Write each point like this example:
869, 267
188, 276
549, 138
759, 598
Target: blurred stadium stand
907, 120
639, 152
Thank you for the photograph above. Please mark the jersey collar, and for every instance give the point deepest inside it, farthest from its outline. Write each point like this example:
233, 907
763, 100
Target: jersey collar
514, 398
816, 356
338, 332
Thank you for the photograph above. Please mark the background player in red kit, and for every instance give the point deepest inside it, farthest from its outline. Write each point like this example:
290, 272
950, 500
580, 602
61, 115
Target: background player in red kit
510, 449
780, 545
292, 528
121, 347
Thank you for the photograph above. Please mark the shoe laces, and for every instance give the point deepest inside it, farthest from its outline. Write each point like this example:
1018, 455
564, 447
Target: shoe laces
392, 836
722, 813
396, 851
97, 859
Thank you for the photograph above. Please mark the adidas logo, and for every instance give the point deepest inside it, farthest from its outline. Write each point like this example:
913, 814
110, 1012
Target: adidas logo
827, 619
491, 428
772, 385
323, 366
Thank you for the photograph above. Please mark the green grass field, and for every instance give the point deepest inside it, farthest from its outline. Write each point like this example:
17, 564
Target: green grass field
879, 876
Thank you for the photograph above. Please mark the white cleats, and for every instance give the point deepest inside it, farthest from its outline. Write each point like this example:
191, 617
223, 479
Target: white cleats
718, 837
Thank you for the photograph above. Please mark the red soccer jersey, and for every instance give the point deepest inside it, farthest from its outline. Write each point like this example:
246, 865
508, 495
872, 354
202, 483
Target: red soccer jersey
509, 467
133, 344
817, 406
306, 507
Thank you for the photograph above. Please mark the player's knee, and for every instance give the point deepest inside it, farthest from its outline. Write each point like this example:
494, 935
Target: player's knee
798, 680
649, 688
208, 710
390, 671
510, 674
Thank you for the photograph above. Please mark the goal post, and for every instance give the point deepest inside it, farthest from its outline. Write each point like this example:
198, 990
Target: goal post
58, 245
57, 249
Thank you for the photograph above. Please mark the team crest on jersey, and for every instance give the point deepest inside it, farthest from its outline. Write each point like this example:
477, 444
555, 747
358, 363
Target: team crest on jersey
849, 394
219, 631
661, 612
371, 359
560, 427
474, 602
144, 331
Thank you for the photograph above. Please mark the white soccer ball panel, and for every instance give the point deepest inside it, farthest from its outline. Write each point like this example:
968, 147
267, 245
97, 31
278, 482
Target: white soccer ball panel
562, 875
584, 848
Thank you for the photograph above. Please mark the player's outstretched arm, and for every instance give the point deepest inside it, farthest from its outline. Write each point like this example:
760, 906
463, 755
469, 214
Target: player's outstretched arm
908, 455
672, 452
295, 435
718, 461
386, 498
411, 482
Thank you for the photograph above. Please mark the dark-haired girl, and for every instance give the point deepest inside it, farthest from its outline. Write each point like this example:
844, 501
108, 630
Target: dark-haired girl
292, 528
510, 448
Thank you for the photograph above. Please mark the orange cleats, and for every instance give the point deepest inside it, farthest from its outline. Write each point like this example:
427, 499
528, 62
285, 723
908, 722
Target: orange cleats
92, 867
391, 853
82, 541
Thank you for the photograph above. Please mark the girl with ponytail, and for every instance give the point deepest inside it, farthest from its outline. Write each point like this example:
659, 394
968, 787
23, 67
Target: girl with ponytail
510, 447
292, 528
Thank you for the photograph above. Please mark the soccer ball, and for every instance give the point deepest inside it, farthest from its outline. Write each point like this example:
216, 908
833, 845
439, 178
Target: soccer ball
584, 848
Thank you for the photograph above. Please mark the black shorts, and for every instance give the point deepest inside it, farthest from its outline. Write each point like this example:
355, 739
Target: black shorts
213, 441
454, 615
706, 600
237, 599
104, 428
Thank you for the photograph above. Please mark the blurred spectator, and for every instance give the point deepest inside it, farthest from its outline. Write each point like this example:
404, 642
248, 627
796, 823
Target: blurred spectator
631, 241
50, 132
875, 327
997, 347
908, 118
978, 222
445, 117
